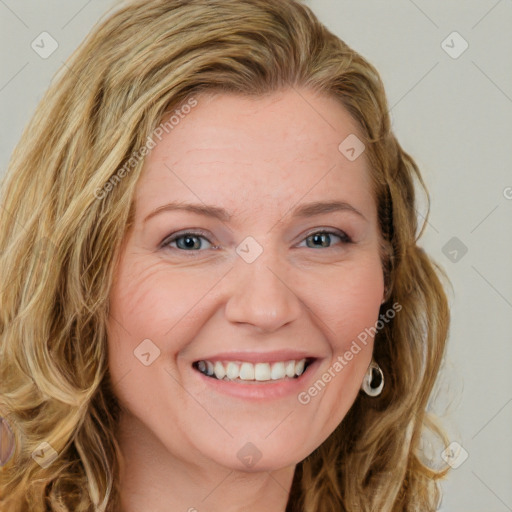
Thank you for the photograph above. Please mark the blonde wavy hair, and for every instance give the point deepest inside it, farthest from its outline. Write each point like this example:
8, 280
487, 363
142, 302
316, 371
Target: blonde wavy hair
59, 246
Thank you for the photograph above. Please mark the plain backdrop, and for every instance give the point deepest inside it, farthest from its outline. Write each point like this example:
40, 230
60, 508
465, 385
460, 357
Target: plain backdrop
450, 96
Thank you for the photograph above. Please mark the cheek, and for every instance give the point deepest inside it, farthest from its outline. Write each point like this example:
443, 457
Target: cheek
150, 299
148, 312
137, 305
347, 310
153, 303
348, 302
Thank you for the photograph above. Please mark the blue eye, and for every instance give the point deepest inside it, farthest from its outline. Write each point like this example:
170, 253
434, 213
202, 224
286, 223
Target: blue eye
186, 241
322, 239
192, 241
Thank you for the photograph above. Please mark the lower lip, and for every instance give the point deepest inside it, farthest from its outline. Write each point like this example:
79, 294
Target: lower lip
265, 390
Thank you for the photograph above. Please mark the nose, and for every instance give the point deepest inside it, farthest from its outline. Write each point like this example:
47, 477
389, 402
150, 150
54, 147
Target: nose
262, 295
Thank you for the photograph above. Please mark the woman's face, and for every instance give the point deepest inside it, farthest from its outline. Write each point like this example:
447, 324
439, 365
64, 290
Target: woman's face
254, 248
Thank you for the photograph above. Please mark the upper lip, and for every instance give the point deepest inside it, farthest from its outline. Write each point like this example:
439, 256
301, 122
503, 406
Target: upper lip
260, 357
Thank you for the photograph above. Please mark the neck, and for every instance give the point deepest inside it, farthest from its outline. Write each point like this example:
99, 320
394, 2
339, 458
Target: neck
154, 479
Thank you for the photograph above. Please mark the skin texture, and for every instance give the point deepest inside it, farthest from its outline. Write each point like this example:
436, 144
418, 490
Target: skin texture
258, 159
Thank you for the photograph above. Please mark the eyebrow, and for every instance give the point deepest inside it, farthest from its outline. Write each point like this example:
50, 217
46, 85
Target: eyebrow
301, 211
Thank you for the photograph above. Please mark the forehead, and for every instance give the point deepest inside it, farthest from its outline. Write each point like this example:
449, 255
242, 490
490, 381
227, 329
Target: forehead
247, 152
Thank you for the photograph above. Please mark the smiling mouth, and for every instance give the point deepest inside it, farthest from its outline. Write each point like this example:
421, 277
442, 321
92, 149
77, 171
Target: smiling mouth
243, 371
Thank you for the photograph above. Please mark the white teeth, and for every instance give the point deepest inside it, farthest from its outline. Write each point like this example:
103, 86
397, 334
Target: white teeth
247, 371
262, 371
289, 368
220, 372
237, 371
278, 371
299, 367
232, 370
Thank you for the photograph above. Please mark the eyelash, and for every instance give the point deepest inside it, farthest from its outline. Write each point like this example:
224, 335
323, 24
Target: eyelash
345, 239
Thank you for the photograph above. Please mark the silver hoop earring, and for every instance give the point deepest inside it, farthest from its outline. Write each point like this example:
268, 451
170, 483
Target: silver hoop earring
373, 381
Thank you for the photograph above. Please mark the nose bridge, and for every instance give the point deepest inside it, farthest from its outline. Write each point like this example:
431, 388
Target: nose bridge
261, 294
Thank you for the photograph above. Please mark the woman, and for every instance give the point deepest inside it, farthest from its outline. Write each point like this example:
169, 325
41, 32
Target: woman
212, 294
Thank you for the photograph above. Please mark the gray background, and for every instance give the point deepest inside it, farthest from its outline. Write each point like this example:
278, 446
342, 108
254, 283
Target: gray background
454, 115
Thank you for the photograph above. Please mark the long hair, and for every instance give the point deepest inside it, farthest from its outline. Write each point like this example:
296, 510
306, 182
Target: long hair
66, 207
